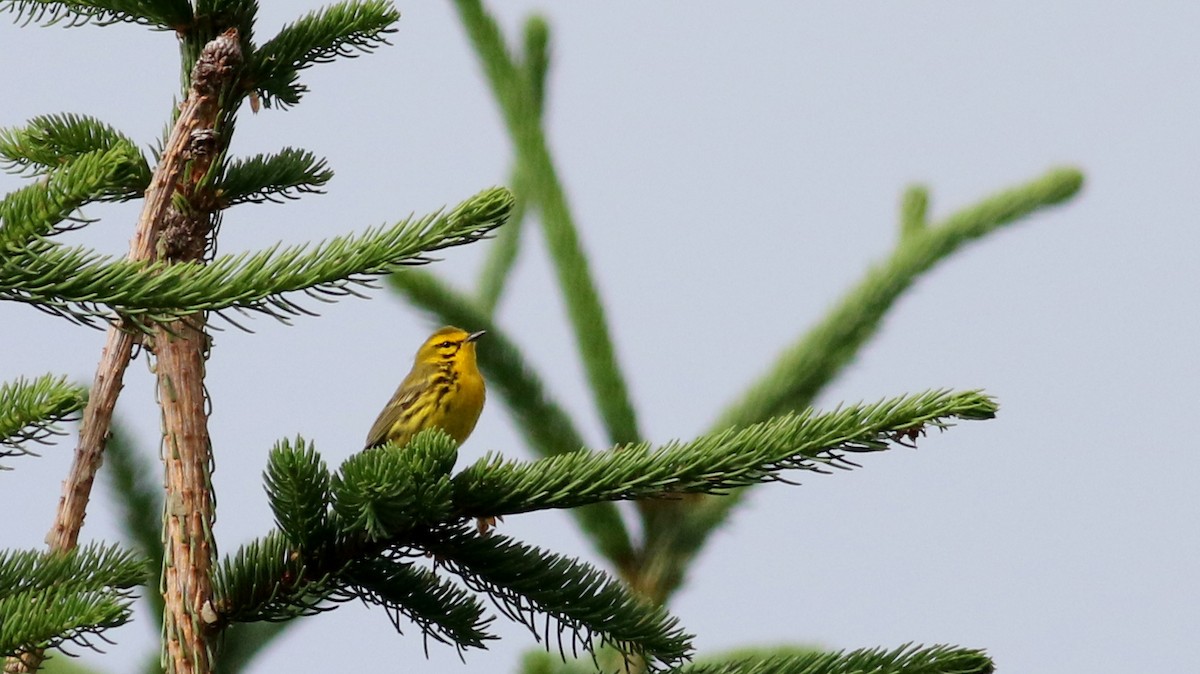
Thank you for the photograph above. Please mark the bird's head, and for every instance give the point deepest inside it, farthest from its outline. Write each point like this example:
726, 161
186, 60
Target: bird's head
449, 344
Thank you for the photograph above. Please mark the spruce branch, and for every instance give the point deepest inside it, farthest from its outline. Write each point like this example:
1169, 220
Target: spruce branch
542, 422
48, 142
249, 282
907, 659
519, 104
39, 209
391, 505
526, 582
275, 178
713, 463
444, 612
297, 484
266, 580
49, 598
385, 492
345, 29
31, 409
159, 14
91, 568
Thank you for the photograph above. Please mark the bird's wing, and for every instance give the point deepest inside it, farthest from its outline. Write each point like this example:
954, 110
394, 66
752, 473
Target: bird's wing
404, 397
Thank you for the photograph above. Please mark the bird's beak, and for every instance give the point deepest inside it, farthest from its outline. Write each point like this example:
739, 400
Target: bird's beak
476, 335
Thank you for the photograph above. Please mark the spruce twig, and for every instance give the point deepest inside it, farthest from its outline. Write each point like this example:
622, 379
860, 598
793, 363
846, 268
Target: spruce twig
47, 598
907, 659
31, 409
259, 282
713, 463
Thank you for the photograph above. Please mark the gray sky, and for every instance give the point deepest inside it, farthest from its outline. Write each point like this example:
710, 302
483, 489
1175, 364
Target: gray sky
733, 172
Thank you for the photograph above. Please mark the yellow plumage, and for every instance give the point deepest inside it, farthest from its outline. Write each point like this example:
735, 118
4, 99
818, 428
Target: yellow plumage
443, 390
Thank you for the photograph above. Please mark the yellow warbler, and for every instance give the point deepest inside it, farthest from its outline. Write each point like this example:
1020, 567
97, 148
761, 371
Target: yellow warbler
443, 390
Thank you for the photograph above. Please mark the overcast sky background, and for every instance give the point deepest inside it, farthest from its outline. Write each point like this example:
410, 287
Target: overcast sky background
734, 169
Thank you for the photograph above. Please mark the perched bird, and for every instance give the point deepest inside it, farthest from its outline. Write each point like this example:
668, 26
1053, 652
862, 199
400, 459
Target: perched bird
443, 390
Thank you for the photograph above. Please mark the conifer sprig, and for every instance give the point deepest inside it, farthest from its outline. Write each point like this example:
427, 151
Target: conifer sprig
79, 284
712, 463
384, 492
444, 612
275, 177
40, 209
297, 484
47, 598
48, 142
907, 659
527, 582
265, 580
345, 29
31, 409
159, 14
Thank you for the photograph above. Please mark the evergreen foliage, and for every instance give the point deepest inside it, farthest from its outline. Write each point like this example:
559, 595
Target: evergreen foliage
908, 659
49, 142
30, 411
344, 29
711, 464
274, 178
391, 526
82, 285
159, 14
47, 598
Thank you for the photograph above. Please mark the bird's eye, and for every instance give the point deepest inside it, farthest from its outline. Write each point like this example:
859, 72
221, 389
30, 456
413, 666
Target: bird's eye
446, 344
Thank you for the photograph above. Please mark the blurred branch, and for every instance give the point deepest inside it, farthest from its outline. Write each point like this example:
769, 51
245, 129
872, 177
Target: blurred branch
499, 263
520, 104
138, 496
679, 530
806, 367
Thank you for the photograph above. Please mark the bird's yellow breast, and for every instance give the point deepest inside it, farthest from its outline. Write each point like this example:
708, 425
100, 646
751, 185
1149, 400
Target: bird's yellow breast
464, 408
